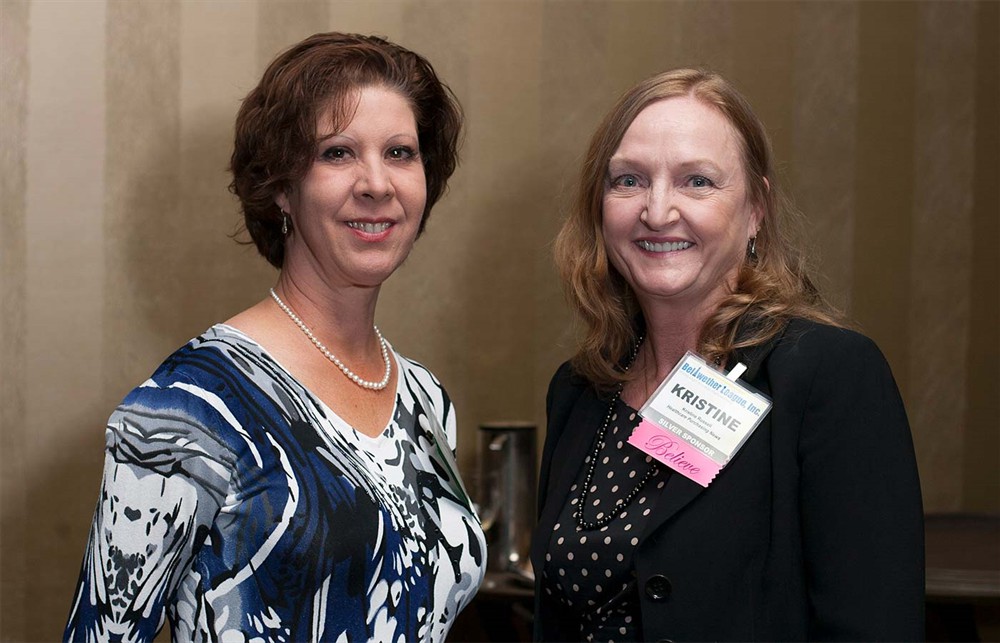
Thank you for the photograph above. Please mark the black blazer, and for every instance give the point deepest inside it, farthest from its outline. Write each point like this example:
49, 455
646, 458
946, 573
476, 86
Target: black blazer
814, 531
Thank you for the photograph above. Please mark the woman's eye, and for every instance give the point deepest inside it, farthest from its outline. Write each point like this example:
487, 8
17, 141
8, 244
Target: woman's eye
402, 152
700, 182
336, 153
626, 181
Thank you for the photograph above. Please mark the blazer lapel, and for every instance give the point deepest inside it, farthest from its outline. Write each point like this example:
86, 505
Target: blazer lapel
573, 446
677, 493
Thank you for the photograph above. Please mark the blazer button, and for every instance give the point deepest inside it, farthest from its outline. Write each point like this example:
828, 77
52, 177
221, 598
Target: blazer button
658, 588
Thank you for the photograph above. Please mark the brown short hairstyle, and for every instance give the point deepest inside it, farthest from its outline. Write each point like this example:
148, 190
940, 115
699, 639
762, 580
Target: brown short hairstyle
770, 289
276, 125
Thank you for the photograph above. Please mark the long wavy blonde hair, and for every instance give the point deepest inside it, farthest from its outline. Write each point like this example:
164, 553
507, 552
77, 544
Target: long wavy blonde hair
770, 289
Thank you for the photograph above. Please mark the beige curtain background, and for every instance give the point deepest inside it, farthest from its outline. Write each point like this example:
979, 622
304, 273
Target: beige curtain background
116, 126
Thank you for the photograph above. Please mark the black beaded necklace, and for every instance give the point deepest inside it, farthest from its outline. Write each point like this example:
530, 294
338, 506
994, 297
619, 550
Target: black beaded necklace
581, 523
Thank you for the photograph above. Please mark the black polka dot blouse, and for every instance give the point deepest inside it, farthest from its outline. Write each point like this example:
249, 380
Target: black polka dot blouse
591, 572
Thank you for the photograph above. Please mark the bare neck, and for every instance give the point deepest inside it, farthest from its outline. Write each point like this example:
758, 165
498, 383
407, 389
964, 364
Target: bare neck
669, 335
343, 317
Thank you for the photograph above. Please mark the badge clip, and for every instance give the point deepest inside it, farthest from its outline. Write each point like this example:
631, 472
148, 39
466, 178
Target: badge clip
738, 370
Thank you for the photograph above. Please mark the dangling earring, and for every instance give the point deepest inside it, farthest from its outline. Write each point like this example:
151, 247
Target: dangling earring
284, 223
752, 249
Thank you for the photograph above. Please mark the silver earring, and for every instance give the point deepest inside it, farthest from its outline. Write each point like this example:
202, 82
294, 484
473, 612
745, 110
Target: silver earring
752, 249
284, 223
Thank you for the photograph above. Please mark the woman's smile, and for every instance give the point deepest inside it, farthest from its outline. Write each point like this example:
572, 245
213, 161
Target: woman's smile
667, 246
370, 228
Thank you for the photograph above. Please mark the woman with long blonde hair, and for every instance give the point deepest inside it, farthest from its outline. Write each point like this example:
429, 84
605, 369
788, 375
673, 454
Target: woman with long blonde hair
679, 243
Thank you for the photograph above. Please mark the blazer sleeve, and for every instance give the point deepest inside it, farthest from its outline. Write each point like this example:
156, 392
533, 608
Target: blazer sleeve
862, 518
564, 391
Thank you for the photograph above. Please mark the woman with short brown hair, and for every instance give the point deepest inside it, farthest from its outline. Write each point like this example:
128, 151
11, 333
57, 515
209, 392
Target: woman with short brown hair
287, 475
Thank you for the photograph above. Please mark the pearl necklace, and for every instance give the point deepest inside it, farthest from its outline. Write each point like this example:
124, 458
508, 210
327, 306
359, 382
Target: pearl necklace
597, 523
365, 384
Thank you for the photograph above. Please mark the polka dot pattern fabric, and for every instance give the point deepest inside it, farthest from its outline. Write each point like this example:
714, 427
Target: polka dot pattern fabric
591, 573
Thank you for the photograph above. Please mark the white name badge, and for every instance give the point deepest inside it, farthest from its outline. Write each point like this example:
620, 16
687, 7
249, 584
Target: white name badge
698, 418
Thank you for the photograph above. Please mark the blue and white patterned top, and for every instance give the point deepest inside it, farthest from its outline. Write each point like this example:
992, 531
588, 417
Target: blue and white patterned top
240, 507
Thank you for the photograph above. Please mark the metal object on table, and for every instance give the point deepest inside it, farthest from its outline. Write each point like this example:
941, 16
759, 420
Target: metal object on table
506, 494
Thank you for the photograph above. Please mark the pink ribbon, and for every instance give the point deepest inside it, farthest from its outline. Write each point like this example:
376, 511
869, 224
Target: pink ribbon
674, 452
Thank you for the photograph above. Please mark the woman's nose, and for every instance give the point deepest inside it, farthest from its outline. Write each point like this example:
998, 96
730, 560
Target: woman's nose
373, 182
661, 207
